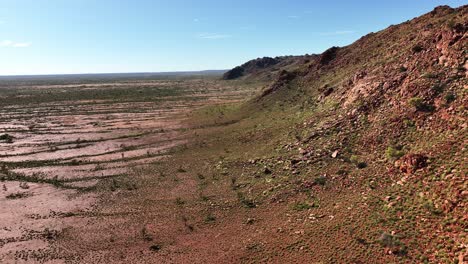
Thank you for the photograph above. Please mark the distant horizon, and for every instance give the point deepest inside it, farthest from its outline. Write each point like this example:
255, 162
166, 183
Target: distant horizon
113, 73
115, 37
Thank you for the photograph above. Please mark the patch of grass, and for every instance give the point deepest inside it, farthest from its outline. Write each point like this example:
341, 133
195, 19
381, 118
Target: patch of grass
420, 105
24, 185
210, 218
408, 123
438, 88
36, 178
75, 162
7, 138
19, 195
417, 48
179, 201
302, 206
393, 243
155, 247
394, 153
204, 198
246, 202
450, 97
356, 161
429, 205
321, 180
181, 170
361, 165
146, 235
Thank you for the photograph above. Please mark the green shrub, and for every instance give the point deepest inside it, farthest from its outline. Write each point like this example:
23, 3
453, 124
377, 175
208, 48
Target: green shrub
451, 24
321, 180
450, 97
408, 123
416, 102
420, 105
417, 48
302, 206
18, 195
394, 153
394, 243
361, 165
210, 218
155, 247
354, 159
246, 202
438, 88
7, 138
179, 201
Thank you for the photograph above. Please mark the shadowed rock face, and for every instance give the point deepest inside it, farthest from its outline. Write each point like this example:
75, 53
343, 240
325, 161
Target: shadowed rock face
235, 73
251, 67
328, 55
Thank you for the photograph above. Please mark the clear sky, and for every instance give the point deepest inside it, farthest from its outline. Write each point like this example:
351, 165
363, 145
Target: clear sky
103, 36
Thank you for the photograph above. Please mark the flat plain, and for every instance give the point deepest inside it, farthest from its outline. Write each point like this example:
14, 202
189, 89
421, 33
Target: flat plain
62, 139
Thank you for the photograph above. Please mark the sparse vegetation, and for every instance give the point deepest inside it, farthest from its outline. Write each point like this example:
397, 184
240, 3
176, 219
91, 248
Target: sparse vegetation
18, 195
393, 243
417, 48
210, 218
420, 105
179, 201
301, 206
450, 97
277, 165
321, 180
6, 138
357, 162
155, 247
249, 203
394, 153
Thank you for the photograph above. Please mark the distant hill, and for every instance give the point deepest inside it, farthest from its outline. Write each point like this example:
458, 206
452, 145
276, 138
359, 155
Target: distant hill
94, 76
263, 67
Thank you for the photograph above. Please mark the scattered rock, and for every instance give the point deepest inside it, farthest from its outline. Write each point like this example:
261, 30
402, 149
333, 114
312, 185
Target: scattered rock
410, 163
334, 154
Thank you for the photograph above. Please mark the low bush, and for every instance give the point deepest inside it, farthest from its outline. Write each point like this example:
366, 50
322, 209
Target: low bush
420, 105
394, 153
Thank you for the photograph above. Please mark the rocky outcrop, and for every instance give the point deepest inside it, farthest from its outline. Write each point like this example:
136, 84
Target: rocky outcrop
251, 67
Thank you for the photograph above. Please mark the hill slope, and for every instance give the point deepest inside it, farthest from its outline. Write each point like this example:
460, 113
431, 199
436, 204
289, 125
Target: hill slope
393, 105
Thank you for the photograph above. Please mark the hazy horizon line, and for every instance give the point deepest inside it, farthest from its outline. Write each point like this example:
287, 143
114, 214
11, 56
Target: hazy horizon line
113, 73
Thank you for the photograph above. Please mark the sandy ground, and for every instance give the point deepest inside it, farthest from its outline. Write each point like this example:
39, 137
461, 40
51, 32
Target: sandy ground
77, 144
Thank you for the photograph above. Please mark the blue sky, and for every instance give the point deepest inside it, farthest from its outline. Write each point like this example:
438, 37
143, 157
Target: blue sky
101, 36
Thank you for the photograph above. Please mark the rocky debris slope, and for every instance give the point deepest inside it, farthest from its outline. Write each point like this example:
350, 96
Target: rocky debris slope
394, 104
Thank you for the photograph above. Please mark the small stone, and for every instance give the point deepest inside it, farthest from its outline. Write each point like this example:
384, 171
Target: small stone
334, 154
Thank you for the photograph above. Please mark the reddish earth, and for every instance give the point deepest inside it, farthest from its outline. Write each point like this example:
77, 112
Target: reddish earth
356, 155
63, 150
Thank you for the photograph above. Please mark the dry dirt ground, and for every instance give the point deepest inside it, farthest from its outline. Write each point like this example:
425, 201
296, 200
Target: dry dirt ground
177, 171
66, 144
